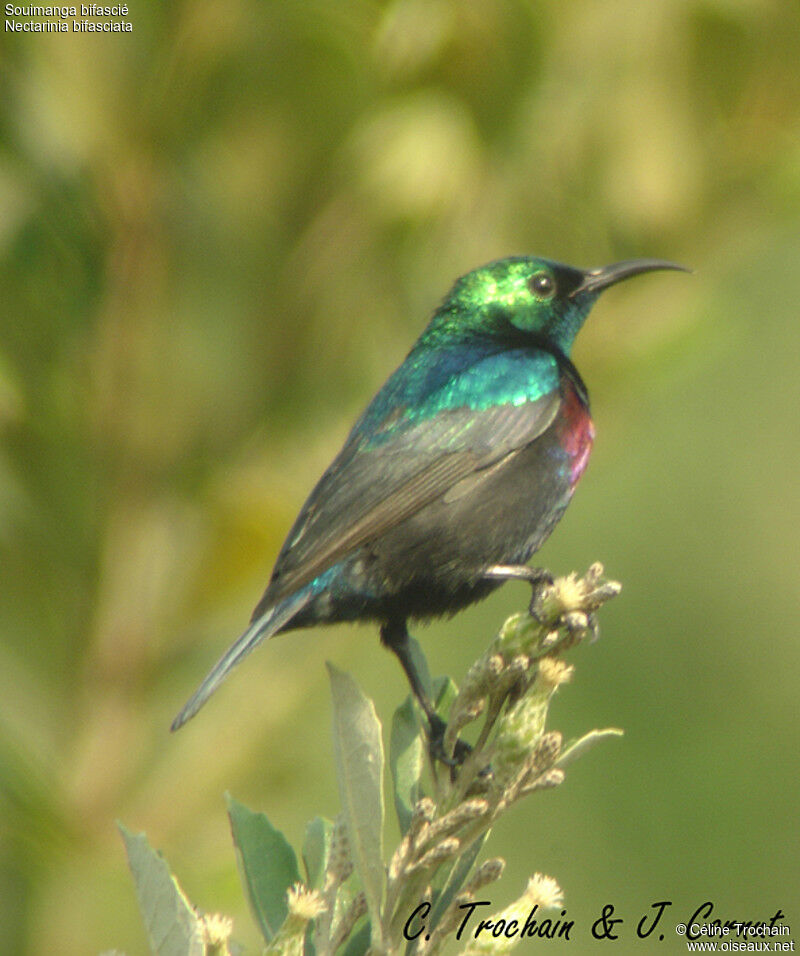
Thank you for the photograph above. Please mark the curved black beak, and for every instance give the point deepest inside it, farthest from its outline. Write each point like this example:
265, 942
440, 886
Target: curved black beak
595, 280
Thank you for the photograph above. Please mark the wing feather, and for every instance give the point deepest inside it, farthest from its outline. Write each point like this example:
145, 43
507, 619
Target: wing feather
377, 482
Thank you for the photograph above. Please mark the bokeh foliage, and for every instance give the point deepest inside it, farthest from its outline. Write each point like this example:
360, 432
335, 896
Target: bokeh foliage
217, 235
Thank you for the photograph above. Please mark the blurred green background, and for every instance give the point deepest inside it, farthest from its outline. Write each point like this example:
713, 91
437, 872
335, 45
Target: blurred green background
218, 234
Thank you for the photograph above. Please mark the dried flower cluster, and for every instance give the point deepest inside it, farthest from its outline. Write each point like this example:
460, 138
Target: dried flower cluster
339, 910
510, 687
350, 902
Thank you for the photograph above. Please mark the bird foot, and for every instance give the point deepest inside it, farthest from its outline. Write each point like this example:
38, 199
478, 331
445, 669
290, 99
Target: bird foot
437, 729
538, 578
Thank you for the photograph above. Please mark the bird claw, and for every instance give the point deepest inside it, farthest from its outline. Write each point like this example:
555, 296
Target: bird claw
437, 729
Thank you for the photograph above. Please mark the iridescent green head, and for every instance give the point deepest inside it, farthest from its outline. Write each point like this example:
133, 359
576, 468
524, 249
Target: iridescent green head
523, 297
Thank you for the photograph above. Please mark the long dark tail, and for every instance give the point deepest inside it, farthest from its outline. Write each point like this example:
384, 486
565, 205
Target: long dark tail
269, 623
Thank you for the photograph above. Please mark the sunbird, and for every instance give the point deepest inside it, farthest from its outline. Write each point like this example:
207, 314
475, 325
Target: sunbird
454, 476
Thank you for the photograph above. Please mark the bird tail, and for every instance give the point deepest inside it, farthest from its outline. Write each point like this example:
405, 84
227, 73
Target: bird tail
263, 627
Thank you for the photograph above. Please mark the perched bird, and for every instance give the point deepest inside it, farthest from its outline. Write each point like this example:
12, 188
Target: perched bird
455, 474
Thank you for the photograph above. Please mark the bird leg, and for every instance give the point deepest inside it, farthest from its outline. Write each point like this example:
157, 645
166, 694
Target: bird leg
395, 636
536, 577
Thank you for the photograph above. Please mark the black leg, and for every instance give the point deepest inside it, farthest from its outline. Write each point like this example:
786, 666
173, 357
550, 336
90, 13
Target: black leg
394, 635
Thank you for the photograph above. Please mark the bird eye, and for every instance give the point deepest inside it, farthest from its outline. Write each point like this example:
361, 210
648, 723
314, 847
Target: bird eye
542, 285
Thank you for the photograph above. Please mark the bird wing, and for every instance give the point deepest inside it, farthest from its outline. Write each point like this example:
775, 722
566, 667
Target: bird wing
382, 479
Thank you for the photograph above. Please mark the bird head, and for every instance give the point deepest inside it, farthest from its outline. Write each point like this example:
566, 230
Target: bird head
523, 298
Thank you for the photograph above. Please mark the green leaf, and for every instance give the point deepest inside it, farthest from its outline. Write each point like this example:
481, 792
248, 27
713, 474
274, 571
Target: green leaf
267, 864
406, 741
316, 849
444, 693
359, 769
576, 748
406, 758
172, 925
420, 663
459, 873
358, 942
345, 894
